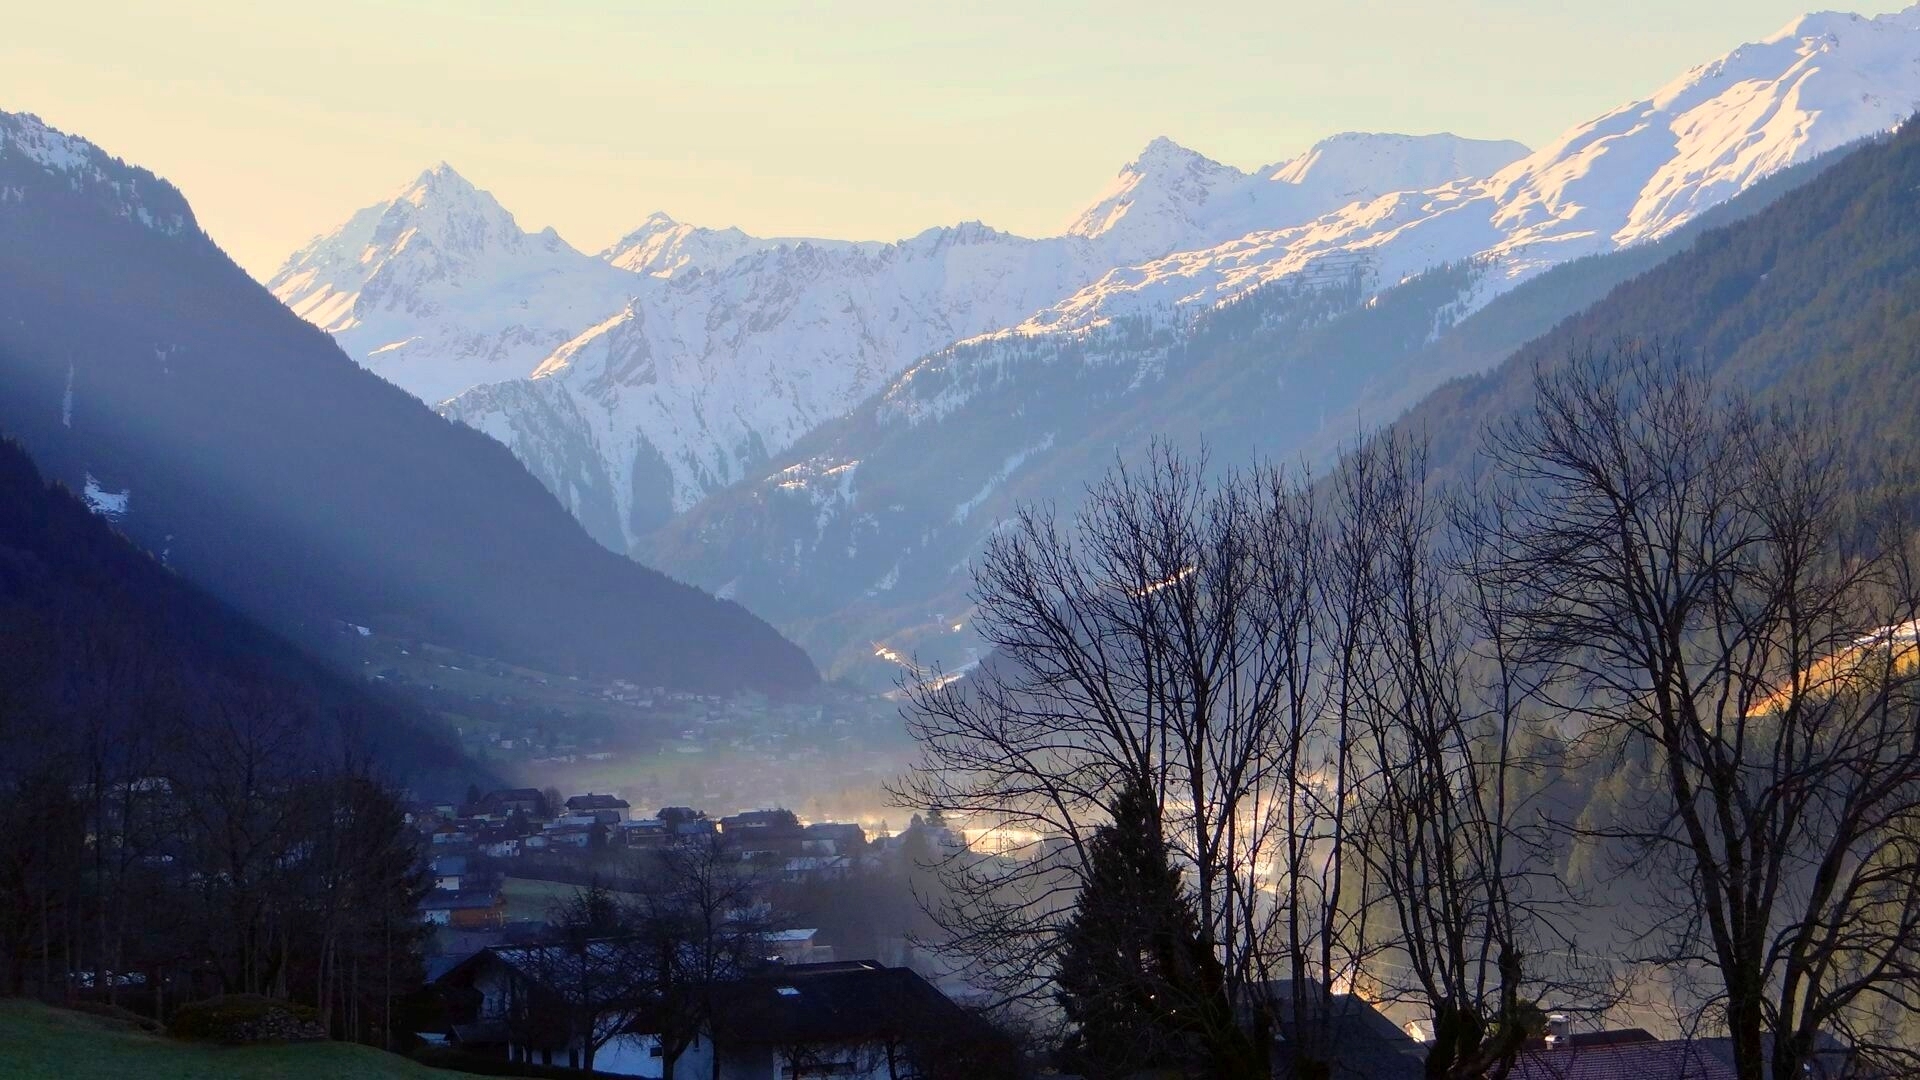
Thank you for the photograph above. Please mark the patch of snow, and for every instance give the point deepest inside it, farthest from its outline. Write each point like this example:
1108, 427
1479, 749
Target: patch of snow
108, 504
1014, 461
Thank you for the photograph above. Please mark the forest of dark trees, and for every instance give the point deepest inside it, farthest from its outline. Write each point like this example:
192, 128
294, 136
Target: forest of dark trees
188, 805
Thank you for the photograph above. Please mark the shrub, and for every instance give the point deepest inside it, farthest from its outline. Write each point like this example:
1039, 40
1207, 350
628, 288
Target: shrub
247, 1018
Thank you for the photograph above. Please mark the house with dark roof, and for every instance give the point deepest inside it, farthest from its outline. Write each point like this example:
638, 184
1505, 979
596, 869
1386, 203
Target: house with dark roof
1655, 1059
525, 1003
504, 802
853, 1018
591, 803
473, 909
1356, 1040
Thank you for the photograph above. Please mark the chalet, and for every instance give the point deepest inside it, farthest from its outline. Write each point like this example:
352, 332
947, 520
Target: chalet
589, 803
475, 909
849, 1019
856, 1019
514, 1001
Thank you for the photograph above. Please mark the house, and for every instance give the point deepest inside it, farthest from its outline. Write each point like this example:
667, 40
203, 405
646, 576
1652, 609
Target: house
846, 1020
642, 832
759, 825
835, 838
447, 872
1634, 1054
515, 1001
560, 836
503, 803
849, 1019
1354, 1038
475, 909
1584, 1059
589, 803
682, 821
816, 868
796, 946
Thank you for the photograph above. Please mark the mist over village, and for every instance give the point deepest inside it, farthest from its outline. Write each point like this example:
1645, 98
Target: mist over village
763, 541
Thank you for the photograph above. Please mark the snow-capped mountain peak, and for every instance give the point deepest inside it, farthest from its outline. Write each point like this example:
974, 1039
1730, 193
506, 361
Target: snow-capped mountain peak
1156, 198
438, 287
1632, 175
662, 247
1172, 198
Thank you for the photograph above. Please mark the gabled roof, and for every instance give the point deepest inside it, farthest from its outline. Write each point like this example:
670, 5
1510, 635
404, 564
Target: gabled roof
591, 801
1361, 1041
519, 794
849, 1001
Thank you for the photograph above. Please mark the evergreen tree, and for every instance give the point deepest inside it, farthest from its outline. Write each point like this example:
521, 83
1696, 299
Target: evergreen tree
1136, 978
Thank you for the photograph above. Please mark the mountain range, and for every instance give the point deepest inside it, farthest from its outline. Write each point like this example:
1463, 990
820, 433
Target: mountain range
727, 349
826, 429
141, 368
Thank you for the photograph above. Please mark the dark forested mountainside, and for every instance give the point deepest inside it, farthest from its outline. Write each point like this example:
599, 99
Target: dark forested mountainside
1813, 302
101, 640
863, 531
259, 461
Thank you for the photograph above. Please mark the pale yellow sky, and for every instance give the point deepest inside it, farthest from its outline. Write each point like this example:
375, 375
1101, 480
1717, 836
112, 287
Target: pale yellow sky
858, 119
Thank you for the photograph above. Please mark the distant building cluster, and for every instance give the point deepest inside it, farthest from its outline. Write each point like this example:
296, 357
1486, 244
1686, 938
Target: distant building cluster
512, 978
508, 827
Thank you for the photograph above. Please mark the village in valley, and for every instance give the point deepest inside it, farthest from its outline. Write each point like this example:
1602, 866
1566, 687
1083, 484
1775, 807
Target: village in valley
513, 869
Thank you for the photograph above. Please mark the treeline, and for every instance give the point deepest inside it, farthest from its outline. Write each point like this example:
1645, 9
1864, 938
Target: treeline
1274, 738
188, 806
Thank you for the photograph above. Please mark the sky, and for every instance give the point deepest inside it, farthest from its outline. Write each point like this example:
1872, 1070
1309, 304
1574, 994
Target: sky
862, 120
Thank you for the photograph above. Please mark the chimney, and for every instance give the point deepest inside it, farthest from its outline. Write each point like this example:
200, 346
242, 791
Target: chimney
1558, 1028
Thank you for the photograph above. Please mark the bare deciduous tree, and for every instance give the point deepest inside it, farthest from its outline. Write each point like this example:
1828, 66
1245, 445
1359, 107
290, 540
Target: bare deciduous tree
1700, 579
1233, 646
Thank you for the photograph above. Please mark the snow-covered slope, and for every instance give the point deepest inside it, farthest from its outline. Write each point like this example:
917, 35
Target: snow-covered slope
1632, 175
703, 375
1171, 198
438, 288
123, 190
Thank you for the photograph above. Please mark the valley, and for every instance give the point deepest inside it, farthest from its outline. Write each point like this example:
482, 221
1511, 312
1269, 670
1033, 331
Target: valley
1377, 599
827, 753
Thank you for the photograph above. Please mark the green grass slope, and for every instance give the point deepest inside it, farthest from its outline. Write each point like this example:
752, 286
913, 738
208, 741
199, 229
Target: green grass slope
42, 1043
